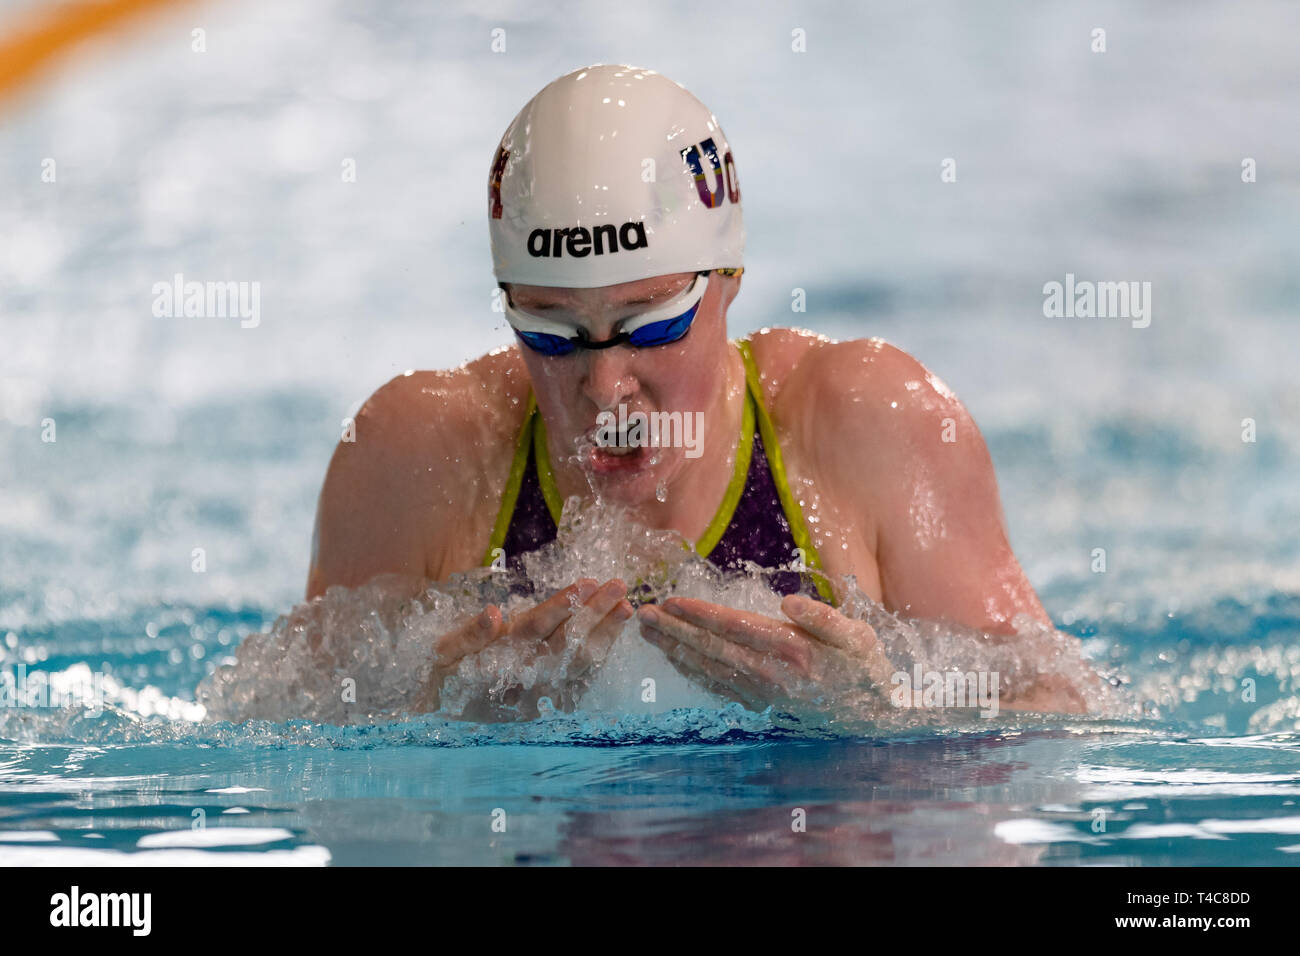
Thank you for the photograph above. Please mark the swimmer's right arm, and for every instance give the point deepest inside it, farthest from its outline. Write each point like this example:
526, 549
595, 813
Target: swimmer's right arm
376, 513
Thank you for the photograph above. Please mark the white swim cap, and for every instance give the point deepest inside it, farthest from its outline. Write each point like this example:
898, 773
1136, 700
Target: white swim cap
610, 174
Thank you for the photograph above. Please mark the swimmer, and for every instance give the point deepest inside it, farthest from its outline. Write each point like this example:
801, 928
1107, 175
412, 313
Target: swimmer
615, 216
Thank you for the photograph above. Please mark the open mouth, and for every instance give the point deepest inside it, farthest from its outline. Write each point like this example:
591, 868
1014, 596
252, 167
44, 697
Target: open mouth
617, 453
613, 459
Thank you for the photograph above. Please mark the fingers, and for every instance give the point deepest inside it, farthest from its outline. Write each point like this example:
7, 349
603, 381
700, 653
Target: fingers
735, 657
611, 623
538, 623
548, 622
471, 637
755, 631
544, 624
822, 621
715, 676
612, 609
449, 649
854, 637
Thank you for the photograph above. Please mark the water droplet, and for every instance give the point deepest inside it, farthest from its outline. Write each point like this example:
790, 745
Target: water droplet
661, 492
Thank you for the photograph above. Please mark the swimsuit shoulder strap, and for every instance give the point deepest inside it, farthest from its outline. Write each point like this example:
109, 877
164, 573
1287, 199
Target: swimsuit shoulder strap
545, 477
739, 474
776, 464
531, 440
523, 446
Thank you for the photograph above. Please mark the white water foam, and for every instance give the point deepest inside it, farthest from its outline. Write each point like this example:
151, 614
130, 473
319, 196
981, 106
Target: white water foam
378, 639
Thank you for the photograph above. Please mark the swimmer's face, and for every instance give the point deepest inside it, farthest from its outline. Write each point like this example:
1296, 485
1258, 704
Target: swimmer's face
683, 376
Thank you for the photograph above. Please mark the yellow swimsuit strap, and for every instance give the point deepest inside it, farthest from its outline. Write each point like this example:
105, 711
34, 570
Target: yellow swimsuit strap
739, 473
776, 464
532, 434
510, 496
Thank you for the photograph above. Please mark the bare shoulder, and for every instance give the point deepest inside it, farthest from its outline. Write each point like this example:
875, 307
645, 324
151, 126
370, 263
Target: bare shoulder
855, 382
456, 406
872, 383
778, 352
862, 410
879, 433
426, 453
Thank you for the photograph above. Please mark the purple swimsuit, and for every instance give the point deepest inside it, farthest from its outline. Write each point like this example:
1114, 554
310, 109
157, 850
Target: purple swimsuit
758, 530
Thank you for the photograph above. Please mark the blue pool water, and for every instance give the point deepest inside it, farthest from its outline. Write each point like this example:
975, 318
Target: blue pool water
180, 434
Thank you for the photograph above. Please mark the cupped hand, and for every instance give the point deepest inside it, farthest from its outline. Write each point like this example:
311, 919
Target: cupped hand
538, 633
817, 656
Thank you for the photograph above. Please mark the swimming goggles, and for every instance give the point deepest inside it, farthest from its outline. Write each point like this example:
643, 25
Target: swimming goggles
662, 326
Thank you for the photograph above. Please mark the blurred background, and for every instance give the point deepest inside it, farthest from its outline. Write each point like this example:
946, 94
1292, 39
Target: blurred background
227, 164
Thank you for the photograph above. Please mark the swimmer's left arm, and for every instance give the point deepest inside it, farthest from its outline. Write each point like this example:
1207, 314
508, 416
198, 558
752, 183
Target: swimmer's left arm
903, 449
899, 449
916, 463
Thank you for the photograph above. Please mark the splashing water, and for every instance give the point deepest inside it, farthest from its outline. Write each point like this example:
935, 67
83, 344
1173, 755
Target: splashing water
364, 654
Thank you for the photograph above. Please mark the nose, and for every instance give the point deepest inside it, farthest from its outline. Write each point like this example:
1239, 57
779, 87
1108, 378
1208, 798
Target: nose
608, 379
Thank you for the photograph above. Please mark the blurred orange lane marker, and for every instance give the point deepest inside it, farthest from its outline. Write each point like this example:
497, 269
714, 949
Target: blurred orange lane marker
35, 40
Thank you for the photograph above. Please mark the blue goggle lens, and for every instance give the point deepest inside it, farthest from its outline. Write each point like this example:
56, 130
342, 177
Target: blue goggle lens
547, 344
665, 332
662, 332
